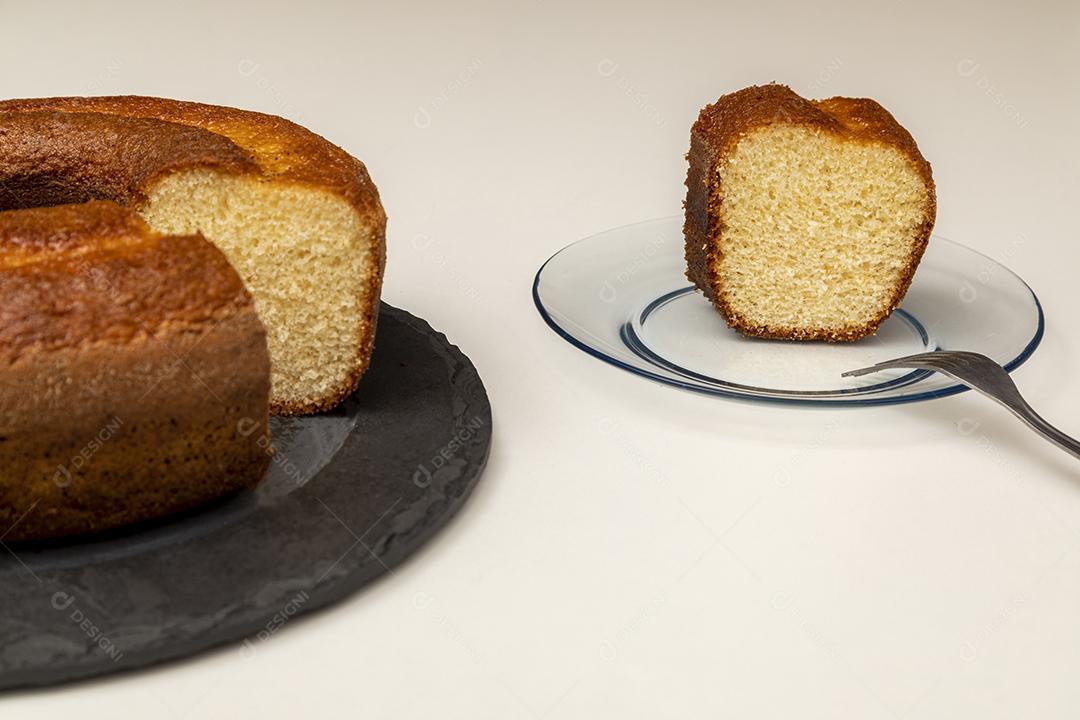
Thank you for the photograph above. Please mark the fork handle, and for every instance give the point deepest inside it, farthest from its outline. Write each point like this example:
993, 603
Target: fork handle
1036, 422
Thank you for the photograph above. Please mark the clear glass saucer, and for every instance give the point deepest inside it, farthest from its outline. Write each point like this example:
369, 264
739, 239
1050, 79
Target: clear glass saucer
622, 296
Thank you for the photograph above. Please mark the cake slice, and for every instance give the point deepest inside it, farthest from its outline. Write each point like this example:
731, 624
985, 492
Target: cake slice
805, 219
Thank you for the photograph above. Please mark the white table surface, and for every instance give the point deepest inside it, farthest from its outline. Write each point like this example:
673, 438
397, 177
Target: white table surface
633, 550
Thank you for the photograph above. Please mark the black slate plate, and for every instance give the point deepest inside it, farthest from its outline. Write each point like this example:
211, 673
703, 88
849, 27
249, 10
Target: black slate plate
351, 493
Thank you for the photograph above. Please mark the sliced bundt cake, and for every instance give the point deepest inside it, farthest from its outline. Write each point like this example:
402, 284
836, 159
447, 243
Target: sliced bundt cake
298, 217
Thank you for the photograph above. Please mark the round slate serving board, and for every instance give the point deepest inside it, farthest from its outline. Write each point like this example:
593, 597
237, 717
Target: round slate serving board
350, 494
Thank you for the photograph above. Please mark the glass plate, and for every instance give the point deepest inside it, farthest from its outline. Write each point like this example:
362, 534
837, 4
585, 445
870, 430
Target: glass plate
622, 296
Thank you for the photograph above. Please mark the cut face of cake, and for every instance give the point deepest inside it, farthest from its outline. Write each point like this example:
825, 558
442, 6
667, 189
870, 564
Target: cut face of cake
804, 219
312, 263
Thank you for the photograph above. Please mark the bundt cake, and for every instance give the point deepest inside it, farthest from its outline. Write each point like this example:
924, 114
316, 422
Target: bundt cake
134, 373
805, 219
298, 217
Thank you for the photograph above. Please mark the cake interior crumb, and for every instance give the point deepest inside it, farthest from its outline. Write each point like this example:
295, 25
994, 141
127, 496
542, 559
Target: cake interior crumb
304, 254
816, 231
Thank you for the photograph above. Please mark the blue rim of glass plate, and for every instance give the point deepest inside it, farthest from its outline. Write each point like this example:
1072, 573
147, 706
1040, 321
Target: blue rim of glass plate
811, 400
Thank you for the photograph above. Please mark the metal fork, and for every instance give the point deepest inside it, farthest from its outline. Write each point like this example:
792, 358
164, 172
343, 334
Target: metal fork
983, 374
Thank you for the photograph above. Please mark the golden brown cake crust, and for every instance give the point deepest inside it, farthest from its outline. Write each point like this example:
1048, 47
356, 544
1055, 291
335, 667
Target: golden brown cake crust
719, 128
161, 136
53, 158
62, 267
134, 373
